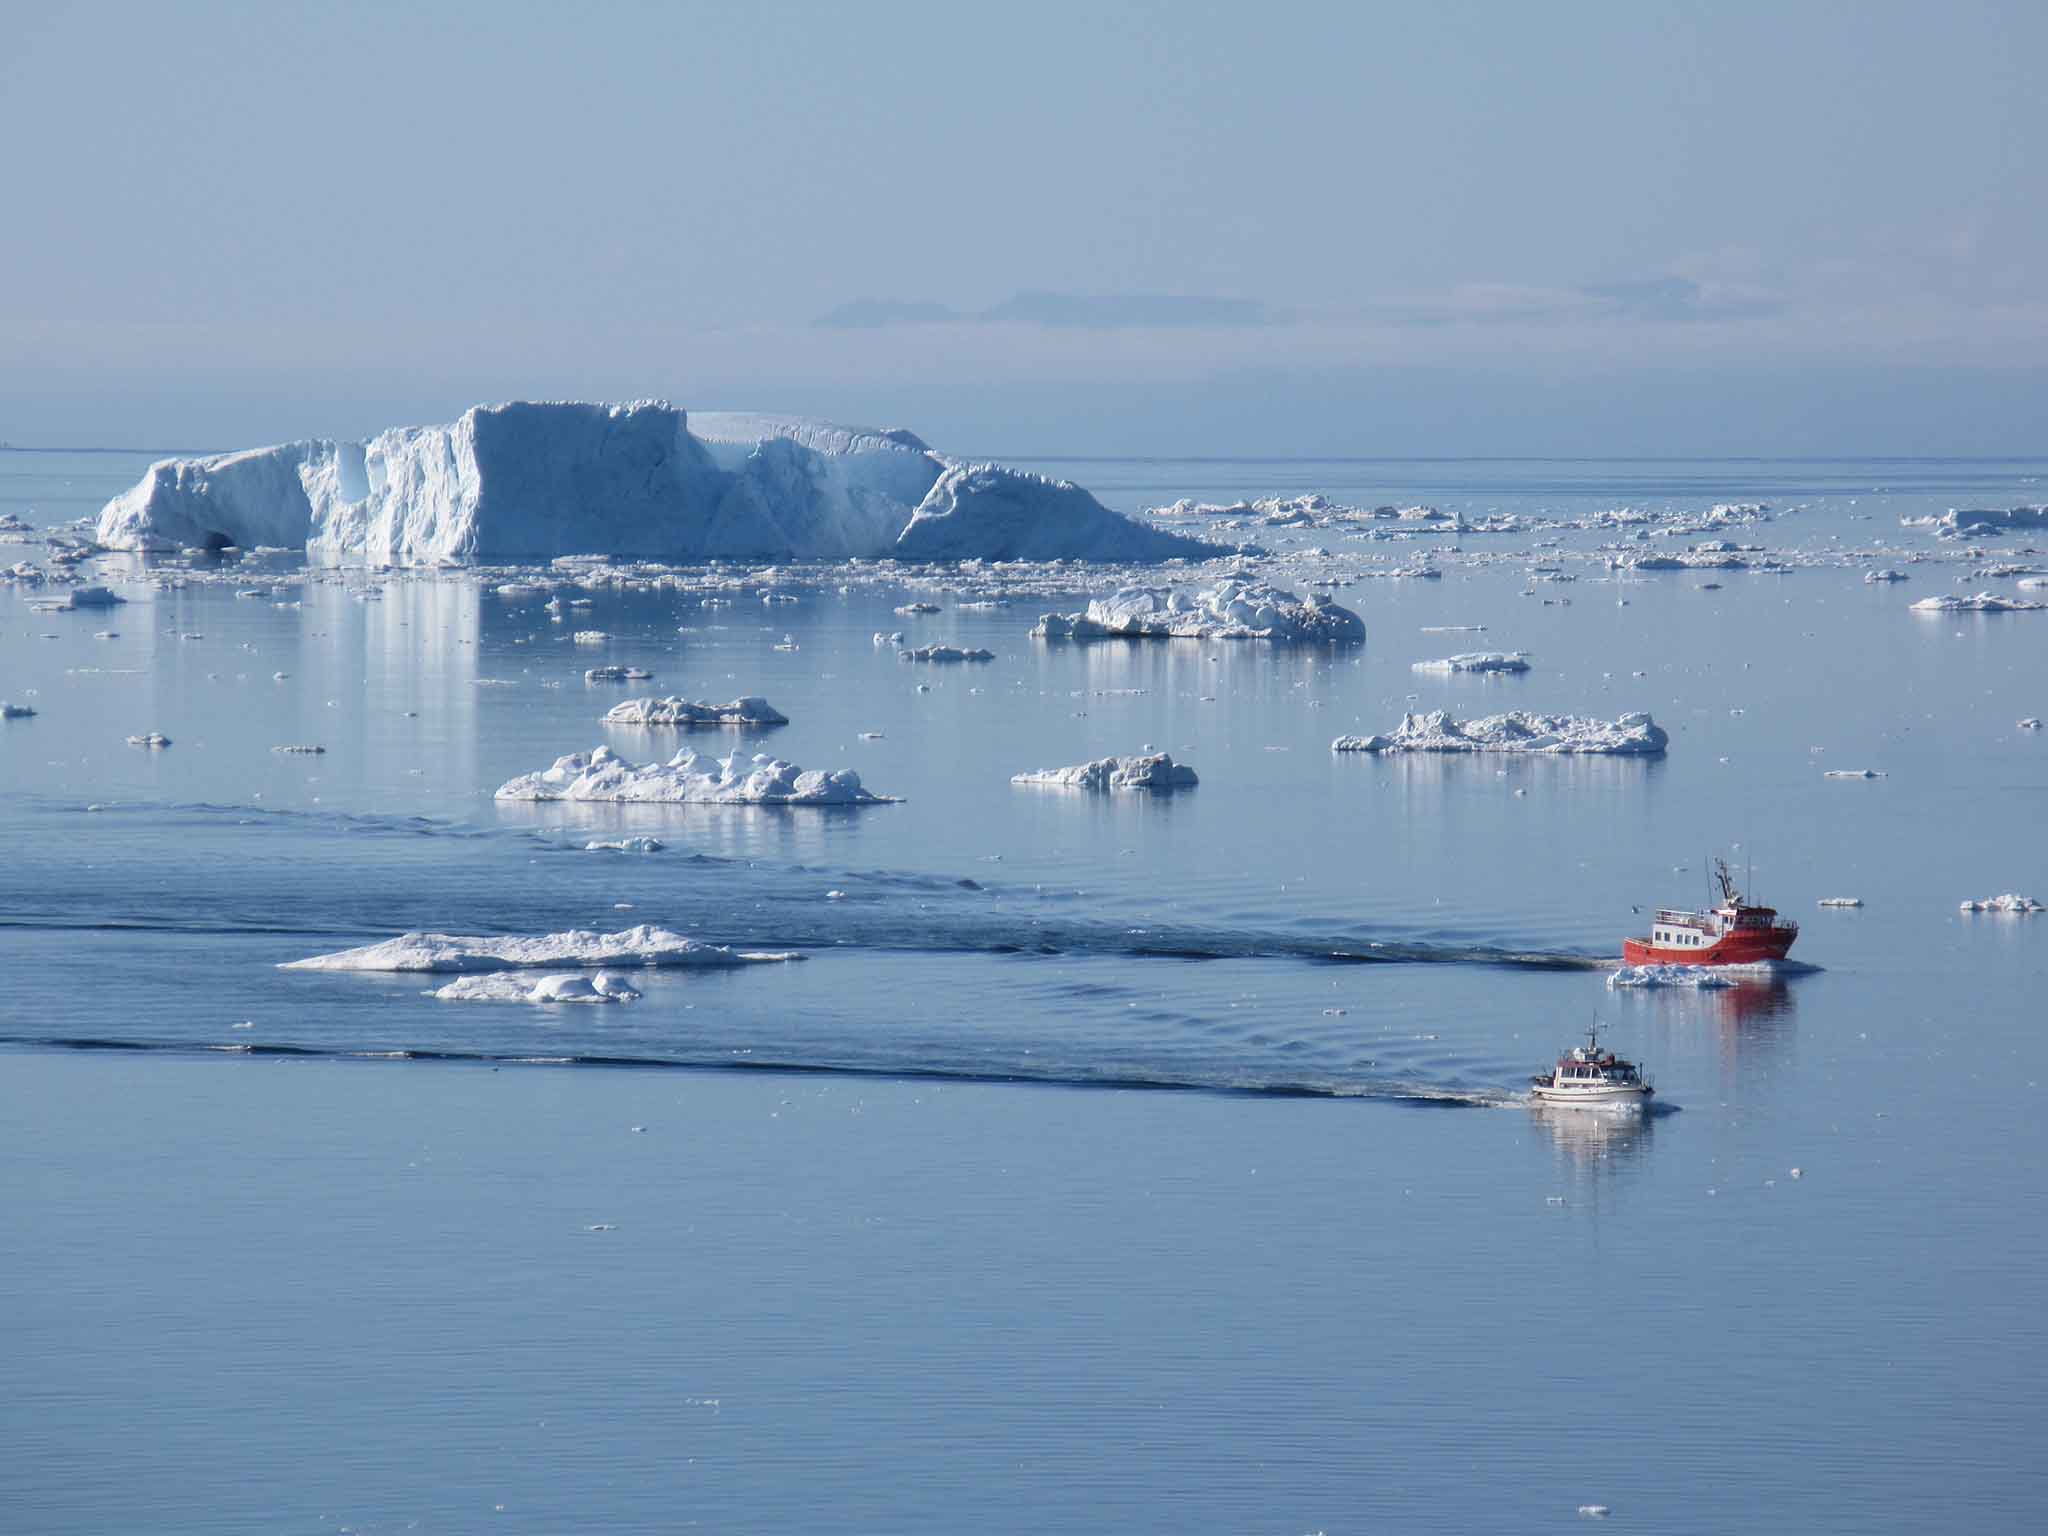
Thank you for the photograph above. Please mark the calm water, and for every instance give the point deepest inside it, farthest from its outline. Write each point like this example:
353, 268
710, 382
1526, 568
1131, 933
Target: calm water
954, 1270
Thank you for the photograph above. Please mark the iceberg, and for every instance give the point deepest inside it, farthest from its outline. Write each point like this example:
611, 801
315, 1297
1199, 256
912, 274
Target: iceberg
1630, 735
532, 481
946, 653
1982, 602
1478, 661
644, 944
2005, 903
684, 712
12, 711
616, 674
1984, 523
690, 779
1151, 770
1230, 610
556, 987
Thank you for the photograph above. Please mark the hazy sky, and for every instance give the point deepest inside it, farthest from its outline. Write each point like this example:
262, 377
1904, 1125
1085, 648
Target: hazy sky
1602, 226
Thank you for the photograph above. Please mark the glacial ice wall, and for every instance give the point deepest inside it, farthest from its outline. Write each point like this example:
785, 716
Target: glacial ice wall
527, 481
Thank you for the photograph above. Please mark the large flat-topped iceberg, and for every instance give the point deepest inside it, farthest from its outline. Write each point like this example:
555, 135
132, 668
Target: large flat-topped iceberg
1631, 735
527, 481
1230, 610
1149, 770
689, 778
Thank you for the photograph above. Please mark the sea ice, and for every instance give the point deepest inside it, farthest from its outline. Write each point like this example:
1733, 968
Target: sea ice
689, 779
150, 739
616, 674
1982, 602
945, 653
1230, 610
556, 987
684, 712
93, 597
641, 945
541, 480
1984, 523
1703, 978
1841, 901
1517, 731
1152, 770
1853, 773
1477, 661
301, 750
627, 845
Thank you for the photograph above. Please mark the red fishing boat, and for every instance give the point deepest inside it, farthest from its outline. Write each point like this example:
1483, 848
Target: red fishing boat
1733, 933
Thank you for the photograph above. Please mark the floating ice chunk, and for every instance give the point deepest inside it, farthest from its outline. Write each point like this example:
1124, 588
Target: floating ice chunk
1477, 661
1630, 735
10, 711
1230, 610
892, 637
1984, 523
945, 653
1982, 602
92, 597
591, 637
2005, 903
683, 712
556, 987
1597, 1511
1841, 901
1700, 977
641, 945
150, 739
915, 608
2031, 723
1153, 770
1872, 578
616, 674
1854, 773
302, 750
627, 845
689, 779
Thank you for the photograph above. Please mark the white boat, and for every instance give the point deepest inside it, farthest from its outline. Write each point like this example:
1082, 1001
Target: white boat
1588, 1077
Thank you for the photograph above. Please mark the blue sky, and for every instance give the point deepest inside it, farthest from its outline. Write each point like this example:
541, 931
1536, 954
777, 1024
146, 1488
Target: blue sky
1463, 228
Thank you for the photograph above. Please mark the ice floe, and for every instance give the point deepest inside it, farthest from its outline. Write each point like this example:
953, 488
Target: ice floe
1841, 901
945, 653
556, 987
1982, 602
531, 480
2005, 903
1151, 770
1477, 661
616, 674
644, 944
1230, 610
1700, 977
1989, 522
150, 739
1516, 731
627, 845
682, 712
689, 778
1854, 773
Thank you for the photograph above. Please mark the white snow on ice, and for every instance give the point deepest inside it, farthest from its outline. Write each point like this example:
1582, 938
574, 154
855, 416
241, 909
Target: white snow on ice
1516, 731
1152, 770
683, 712
1230, 610
689, 778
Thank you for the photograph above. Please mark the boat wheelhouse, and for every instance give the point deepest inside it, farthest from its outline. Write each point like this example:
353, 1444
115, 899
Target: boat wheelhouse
1736, 932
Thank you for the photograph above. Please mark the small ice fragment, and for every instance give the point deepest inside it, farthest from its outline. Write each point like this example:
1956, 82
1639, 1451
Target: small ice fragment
1853, 773
1797, 1173
1595, 1511
1841, 901
835, 895
150, 739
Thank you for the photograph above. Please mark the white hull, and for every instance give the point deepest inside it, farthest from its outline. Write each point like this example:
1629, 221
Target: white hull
1601, 1097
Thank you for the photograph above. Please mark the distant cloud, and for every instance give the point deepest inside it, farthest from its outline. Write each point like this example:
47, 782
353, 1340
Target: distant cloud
1095, 312
1659, 300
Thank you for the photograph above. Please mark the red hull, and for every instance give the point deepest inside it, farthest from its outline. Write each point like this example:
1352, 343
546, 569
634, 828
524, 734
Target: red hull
1745, 946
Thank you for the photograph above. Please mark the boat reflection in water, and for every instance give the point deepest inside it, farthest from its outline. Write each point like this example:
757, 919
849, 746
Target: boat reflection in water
1593, 1142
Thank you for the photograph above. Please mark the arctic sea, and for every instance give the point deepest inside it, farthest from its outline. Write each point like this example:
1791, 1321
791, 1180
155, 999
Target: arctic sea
1111, 1162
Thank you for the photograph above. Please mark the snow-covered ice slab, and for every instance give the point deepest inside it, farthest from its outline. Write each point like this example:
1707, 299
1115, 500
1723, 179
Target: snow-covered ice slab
1517, 731
945, 653
644, 944
1151, 770
616, 674
626, 845
1989, 522
1982, 602
1230, 610
1841, 901
556, 987
1477, 661
2005, 903
690, 778
536, 481
1700, 977
684, 712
